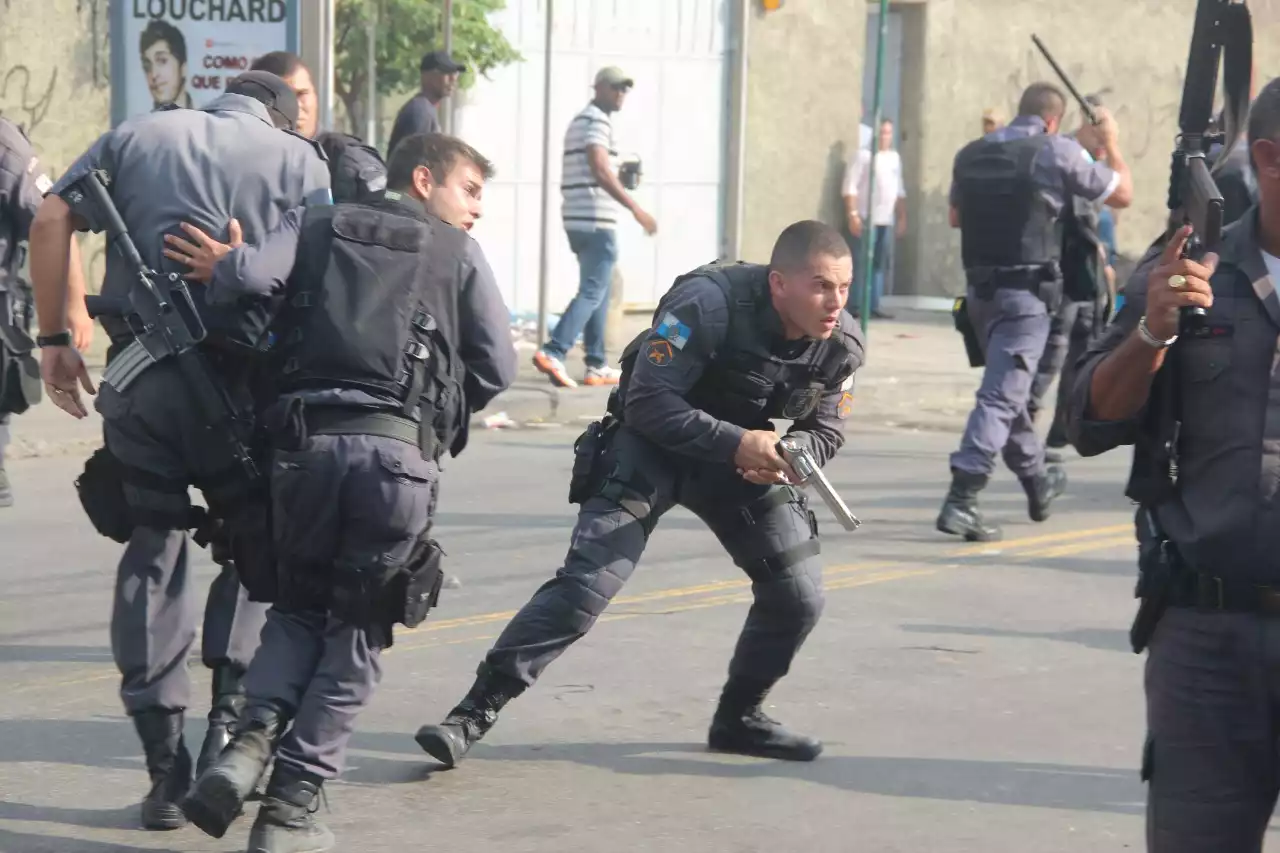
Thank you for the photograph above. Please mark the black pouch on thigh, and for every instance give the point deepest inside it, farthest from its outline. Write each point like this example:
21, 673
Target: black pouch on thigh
414, 588
769, 544
101, 490
20, 385
588, 455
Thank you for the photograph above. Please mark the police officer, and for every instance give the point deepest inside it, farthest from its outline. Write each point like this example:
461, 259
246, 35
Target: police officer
361, 423
22, 184
1209, 538
229, 161
356, 170
731, 347
1008, 193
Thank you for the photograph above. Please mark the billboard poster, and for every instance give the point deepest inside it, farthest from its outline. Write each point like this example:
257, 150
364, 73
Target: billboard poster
184, 51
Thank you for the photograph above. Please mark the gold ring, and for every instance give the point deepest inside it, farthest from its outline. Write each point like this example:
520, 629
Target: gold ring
1177, 282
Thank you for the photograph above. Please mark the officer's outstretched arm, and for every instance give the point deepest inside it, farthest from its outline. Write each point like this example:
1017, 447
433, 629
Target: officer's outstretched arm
485, 324
689, 326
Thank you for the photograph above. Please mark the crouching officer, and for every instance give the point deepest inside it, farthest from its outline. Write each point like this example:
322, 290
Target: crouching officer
392, 333
1198, 403
1007, 198
732, 346
233, 159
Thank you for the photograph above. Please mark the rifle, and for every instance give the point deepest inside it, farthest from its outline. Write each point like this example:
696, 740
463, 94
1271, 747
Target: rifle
166, 325
1223, 35
1085, 106
803, 463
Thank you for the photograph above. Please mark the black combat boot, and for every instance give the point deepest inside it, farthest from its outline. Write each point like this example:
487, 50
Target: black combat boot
1042, 490
449, 741
741, 726
219, 794
168, 764
228, 701
286, 820
960, 514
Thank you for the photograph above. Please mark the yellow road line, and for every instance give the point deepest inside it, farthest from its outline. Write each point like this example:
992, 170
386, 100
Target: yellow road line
844, 576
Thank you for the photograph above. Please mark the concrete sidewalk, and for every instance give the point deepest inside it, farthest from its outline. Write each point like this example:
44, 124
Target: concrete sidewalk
916, 377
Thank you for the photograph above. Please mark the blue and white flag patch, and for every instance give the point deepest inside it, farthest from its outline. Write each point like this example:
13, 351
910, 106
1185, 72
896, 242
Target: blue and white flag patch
673, 330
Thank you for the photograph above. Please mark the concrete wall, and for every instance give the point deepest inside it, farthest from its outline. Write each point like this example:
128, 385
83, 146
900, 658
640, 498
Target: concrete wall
54, 82
979, 54
804, 84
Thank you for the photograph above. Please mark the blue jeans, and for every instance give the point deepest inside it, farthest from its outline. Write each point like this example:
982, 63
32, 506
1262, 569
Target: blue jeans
597, 252
884, 244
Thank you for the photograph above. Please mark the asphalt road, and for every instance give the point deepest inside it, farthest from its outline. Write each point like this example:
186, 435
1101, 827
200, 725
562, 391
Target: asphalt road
971, 698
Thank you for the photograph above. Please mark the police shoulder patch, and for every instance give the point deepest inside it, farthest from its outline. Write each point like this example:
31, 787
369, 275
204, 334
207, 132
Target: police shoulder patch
659, 353
674, 331
845, 407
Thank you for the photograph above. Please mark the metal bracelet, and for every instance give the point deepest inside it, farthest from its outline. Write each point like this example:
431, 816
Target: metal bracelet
1150, 339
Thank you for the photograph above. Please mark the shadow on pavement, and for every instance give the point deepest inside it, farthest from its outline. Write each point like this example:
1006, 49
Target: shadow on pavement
1103, 639
1061, 786
120, 818
30, 843
54, 654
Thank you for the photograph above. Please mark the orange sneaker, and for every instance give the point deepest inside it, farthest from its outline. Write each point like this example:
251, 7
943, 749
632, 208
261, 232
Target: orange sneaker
602, 376
553, 368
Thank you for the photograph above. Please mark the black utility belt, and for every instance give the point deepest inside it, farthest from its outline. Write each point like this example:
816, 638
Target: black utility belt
331, 420
1209, 592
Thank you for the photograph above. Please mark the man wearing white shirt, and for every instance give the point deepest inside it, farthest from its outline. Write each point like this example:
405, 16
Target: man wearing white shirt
890, 209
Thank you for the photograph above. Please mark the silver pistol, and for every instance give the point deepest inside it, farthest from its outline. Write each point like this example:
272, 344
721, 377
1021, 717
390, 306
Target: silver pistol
803, 463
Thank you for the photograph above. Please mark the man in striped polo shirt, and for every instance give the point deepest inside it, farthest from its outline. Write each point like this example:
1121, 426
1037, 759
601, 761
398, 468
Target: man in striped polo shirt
593, 198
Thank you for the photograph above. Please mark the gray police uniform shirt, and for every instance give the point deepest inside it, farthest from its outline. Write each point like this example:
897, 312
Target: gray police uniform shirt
23, 183
1062, 168
225, 160
484, 323
655, 400
1225, 516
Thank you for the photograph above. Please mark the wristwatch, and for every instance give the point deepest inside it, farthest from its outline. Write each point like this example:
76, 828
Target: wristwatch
1150, 339
61, 339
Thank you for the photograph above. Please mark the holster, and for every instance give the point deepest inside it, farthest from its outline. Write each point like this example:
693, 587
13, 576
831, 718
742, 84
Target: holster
1158, 575
250, 544
588, 456
101, 490
377, 597
964, 325
20, 385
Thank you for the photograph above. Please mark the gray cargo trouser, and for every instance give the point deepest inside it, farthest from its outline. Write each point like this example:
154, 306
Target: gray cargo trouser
768, 531
1212, 759
1012, 327
343, 503
1070, 330
155, 428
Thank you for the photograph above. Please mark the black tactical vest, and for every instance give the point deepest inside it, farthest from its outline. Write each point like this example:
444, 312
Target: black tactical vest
373, 306
356, 170
1004, 223
745, 383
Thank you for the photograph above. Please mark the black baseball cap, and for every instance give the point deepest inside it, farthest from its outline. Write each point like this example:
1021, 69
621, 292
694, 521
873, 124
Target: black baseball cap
440, 60
278, 97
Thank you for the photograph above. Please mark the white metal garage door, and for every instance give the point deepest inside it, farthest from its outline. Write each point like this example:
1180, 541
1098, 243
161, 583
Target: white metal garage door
674, 119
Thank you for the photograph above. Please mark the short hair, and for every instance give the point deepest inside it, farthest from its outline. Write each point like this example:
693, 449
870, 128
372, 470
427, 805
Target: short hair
1043, 99
281, 63
1264, 117
438, 152
164, 31
802, 241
